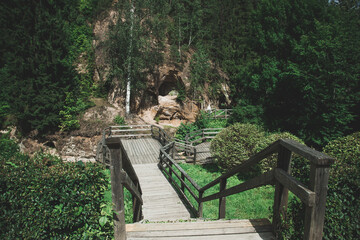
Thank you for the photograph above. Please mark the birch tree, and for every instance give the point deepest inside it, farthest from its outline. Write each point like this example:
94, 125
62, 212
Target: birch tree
128, 85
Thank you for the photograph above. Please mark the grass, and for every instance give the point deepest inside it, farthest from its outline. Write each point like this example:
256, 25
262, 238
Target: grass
255, 203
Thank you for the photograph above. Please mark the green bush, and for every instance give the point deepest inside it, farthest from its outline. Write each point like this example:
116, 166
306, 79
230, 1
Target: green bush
45, 198
342, 206
235, 144
239, 142
203, 120
270, 162
184, 129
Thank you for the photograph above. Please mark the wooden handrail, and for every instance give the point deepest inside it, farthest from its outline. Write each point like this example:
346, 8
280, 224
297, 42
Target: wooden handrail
159, 134
313, 196
127, 131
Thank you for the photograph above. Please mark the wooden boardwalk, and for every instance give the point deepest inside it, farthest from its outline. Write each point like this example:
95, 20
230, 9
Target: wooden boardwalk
161, 202
142, 150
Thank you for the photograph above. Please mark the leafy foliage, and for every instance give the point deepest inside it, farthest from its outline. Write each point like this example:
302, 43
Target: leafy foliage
238, 142
119, 120
45, 198
203, 120
247, 113
342, 206
235, 144
135, 43
46, 55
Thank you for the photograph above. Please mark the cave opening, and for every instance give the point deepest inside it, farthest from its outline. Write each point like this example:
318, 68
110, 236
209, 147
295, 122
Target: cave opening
171, 83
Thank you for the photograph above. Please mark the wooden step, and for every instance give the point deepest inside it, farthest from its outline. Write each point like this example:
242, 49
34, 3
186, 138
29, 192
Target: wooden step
221, 229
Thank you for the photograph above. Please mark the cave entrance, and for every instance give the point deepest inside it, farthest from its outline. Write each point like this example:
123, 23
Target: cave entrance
171, 83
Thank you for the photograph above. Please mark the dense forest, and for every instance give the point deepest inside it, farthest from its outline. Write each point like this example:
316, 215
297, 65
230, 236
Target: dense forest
291, 65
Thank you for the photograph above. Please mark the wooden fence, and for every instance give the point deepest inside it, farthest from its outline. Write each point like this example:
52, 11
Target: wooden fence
313, 196
198, 136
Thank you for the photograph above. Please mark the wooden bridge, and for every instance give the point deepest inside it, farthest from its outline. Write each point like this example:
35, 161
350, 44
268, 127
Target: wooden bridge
143, 159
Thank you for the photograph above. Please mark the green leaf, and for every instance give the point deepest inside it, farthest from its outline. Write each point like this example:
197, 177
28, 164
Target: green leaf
103, 220
12, 164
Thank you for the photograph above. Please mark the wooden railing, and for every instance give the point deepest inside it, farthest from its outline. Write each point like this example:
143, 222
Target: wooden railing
128, 131
159, 134
122, 175
198, 136
313, 196
188, 152
219, 113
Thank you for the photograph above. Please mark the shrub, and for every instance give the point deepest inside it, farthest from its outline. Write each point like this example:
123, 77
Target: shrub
342, 206
235, 144
270, 162
119, 120
184, 129
45, 198
239, 142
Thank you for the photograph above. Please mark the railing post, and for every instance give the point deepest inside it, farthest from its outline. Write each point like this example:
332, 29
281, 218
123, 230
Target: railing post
314, 216
137, 215
200, 207
281, 193
173, 151
182, 184
222, 201
170, 172
117, 191
195, 155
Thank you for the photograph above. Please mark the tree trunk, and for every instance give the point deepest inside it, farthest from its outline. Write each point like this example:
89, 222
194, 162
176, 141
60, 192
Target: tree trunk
128, 85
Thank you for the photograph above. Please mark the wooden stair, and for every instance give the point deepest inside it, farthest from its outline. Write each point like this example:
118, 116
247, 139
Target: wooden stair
210, 230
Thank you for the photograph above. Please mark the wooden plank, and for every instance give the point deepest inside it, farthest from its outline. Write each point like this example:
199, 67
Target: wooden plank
299, 189
161, 202
130, 135
199, 224
131, 130
314, 156
281, 192
130, 126
117, 191
314, 216
198, 232
247, 236
130, 185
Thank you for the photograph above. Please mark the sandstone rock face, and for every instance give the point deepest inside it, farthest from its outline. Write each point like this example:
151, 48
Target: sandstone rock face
80, 149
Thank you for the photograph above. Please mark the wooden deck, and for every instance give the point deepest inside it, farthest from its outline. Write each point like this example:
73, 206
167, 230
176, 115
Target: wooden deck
142, 150
161, 202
